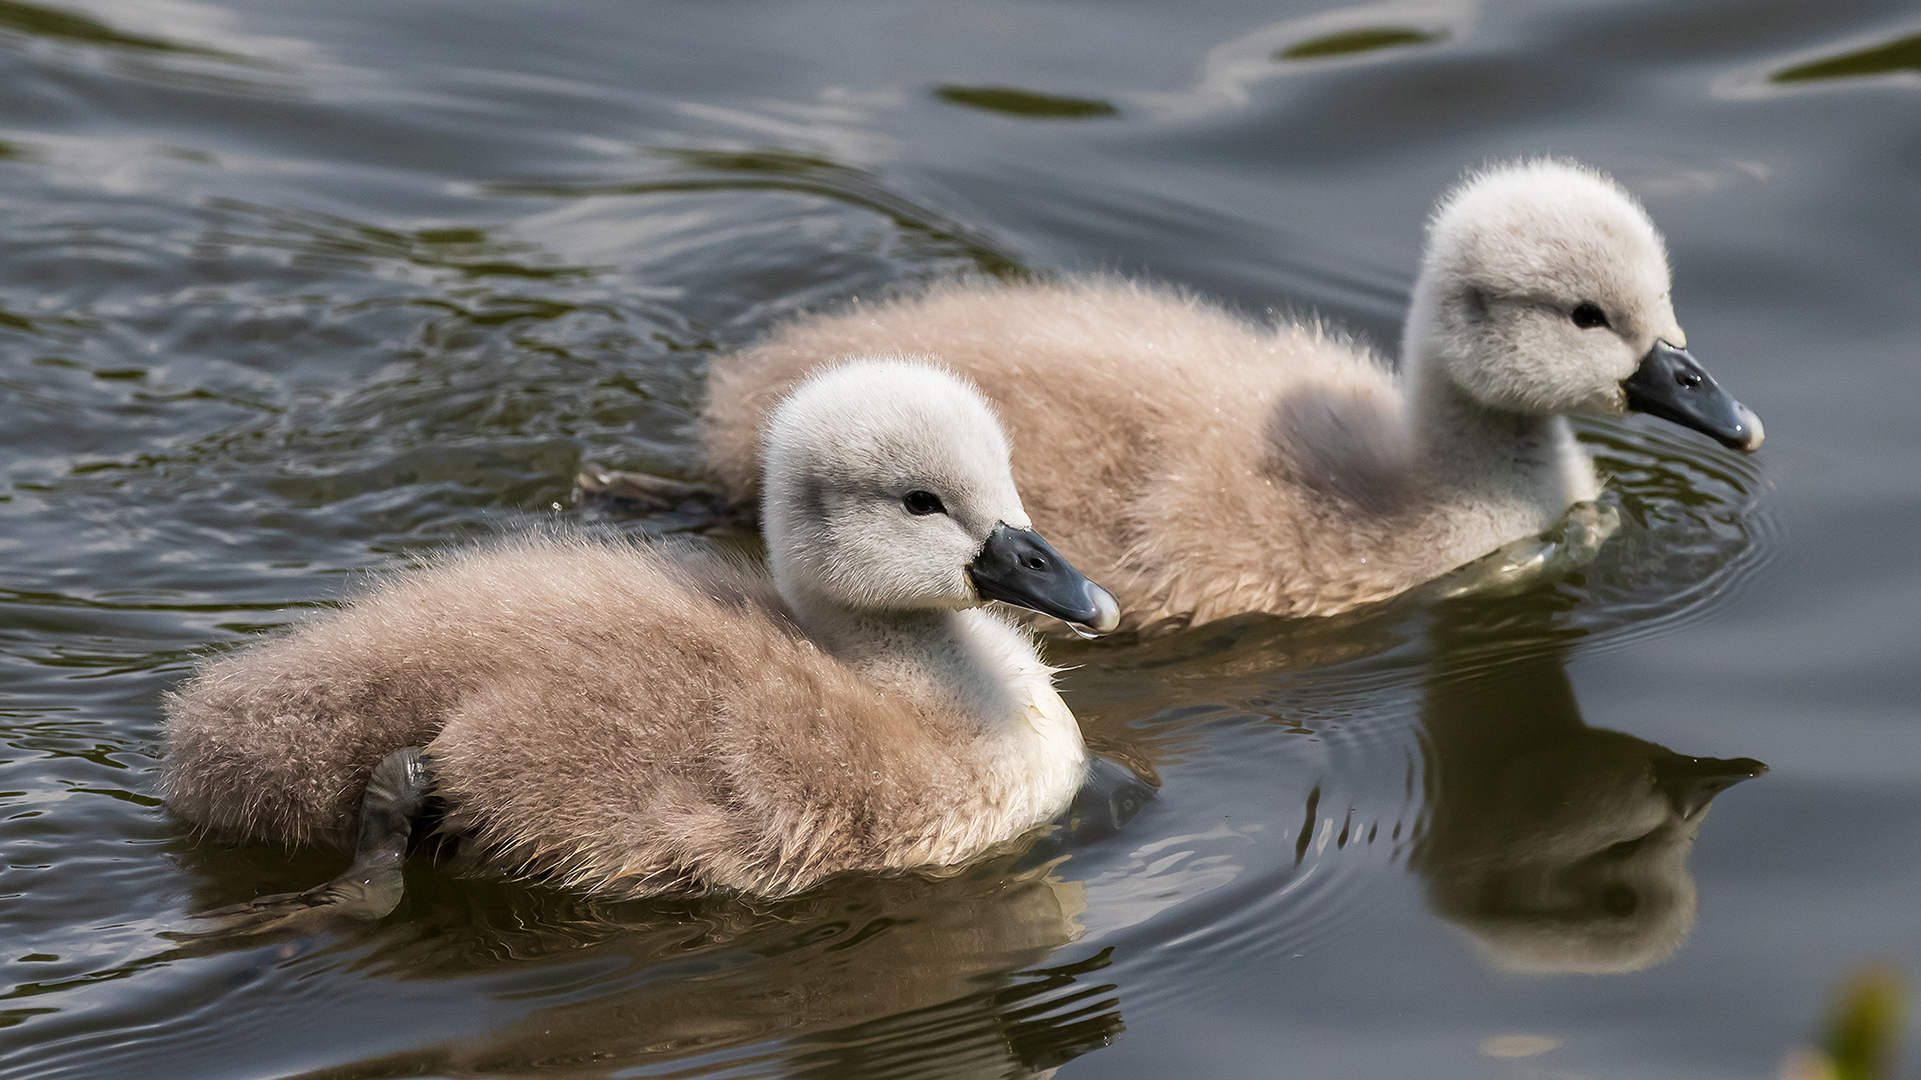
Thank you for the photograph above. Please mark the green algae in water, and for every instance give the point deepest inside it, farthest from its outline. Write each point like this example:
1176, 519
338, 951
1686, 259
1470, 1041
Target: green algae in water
1026, 104
1903, 54
1348, 42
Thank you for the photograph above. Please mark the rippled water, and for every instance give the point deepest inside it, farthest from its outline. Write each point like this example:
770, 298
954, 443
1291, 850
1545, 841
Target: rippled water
292, 291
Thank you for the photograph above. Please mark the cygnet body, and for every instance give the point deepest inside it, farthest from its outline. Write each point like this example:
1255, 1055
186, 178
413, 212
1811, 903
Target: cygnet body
1201, 465
640, 719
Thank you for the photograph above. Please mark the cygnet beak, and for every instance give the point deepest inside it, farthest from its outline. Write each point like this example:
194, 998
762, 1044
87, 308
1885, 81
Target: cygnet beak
1670, 385
1017, 567
1690, 782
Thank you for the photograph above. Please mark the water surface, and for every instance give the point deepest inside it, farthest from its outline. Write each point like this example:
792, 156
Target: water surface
292, 292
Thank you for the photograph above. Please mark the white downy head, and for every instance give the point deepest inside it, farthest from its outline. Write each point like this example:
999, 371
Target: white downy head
1543, 287
884, 480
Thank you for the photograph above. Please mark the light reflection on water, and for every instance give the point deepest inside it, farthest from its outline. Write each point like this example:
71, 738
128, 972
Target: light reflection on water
291, 294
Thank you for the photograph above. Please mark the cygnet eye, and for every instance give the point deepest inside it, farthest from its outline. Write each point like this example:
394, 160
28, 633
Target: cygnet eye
1589, 315
921, 503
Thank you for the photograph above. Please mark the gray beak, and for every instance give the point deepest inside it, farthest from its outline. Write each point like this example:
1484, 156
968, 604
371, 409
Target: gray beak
1670, 385
1690, 782
1017, 567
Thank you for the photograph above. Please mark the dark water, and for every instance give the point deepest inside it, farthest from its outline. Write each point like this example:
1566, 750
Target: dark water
293, 290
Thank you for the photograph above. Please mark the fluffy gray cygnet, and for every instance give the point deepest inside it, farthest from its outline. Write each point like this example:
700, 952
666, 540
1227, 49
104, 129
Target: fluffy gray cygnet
640, 719
1202, 466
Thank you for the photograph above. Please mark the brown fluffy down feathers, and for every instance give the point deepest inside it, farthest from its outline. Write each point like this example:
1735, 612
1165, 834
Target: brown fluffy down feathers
601, 714
1195, 464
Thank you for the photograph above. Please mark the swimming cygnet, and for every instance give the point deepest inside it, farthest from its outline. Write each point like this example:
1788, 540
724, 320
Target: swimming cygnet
641, 719
1203, 466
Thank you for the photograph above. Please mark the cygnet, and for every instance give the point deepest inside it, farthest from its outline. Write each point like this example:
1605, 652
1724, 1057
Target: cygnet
1202, 465
639, 718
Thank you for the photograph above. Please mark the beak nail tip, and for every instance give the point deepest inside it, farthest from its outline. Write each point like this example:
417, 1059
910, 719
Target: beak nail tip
1107, 613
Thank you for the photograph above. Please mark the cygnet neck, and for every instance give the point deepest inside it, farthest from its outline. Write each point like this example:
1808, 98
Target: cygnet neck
1476, 446
922, 651
1496, 454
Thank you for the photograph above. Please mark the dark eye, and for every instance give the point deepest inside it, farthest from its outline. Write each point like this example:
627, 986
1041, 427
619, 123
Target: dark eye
923, 503
1588, 316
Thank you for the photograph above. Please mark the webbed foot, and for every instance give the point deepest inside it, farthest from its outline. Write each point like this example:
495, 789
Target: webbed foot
367, 890
1514, 568
1109, 798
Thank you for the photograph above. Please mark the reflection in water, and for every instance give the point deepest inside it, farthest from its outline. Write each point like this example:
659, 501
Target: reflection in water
1025, 104
465, 368
33, 20
47, 32
1349, 42
1558, 847
1903, 54
1357, 34
772, 169
946, 973
328, 241
1878, 61
865, 977
869, 976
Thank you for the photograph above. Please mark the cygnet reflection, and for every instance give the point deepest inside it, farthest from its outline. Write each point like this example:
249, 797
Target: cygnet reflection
1558, 847
866, 975
861, 977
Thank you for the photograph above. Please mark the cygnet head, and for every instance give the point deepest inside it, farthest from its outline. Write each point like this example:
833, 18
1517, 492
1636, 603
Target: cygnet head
1545, 290
887, 488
